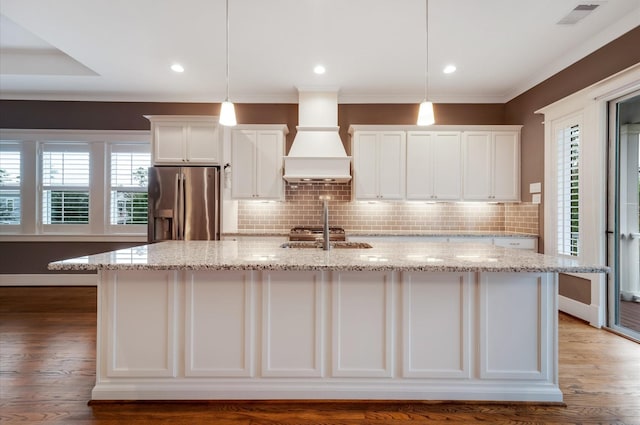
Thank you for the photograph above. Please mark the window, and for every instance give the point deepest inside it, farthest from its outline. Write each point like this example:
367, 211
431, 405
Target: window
128, 192
74, 184
65, 183
10, 197
568, 194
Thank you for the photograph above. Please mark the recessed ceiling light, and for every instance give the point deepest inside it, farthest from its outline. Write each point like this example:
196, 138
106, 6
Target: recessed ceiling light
176, 67
449, 69
319, 69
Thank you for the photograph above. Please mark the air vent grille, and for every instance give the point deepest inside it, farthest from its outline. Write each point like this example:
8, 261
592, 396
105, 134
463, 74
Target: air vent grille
578, 13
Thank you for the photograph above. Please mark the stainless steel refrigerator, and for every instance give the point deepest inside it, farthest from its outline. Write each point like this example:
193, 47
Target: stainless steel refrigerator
184, 203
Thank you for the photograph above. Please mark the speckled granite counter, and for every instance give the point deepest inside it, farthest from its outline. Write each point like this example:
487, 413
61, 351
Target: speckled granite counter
268, 255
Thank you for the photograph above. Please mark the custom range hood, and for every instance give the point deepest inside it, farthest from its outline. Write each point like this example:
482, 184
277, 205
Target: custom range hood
317, 153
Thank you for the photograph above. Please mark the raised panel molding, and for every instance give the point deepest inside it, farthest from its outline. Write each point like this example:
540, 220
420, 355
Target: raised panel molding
292, 324
141, 324
362, 323
508, 326
219, 324
436, 351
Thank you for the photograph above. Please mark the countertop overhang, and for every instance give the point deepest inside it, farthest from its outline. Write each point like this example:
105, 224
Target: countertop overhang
268, 255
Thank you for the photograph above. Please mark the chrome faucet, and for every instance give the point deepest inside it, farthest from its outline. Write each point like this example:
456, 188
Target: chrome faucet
325, 222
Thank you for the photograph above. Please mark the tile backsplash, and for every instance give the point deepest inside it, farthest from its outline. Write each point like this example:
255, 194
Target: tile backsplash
303, 208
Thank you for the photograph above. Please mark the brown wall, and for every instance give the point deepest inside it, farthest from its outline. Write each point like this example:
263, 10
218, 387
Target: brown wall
614, 57
30, 114
33, 257
575, 288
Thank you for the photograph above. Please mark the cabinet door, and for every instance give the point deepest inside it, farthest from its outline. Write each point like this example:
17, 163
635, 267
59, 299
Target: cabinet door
365, 165
269, 153
477, 166
203, 145
243, 163
420, 166
391, 165
506, 167
169, 141
447, 166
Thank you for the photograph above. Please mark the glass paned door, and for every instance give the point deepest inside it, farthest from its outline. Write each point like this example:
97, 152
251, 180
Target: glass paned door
624, 215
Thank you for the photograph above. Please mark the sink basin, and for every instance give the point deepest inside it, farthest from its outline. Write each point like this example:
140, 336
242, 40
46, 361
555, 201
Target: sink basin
336, 245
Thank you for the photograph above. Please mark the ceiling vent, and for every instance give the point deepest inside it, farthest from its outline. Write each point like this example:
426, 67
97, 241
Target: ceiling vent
579, 13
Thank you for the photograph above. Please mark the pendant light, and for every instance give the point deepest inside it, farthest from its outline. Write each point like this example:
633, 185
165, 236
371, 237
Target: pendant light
425, 113
227, 110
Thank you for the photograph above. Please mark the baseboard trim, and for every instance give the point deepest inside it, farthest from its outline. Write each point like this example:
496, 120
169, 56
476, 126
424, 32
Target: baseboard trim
576, 308
50, 279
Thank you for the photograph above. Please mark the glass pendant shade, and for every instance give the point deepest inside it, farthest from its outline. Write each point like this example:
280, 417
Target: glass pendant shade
425, 114
228, 114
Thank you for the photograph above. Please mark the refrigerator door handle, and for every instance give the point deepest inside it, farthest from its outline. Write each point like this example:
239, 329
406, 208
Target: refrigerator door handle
176, 204
183, 205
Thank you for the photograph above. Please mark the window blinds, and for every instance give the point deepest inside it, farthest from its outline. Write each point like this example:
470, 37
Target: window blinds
568, 201
10, 197
65, 183
129, 170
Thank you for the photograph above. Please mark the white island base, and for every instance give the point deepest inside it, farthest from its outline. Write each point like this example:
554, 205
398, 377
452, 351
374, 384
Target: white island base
262, 334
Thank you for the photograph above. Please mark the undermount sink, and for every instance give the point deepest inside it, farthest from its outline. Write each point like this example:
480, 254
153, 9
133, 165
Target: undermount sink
337, 245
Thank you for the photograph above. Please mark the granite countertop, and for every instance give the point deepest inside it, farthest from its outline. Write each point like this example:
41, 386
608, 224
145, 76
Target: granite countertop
268, 255
451, 234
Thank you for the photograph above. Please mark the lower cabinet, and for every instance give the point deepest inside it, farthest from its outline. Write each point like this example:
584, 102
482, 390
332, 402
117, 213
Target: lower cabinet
139, 324
219, 319
267, 334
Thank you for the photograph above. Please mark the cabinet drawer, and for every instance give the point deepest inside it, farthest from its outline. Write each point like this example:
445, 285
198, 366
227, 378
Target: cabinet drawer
517, 243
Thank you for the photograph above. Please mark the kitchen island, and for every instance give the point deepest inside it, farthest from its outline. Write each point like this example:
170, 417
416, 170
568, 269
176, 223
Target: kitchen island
251, 320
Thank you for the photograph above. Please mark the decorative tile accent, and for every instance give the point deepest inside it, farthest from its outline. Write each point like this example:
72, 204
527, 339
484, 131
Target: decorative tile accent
303, 208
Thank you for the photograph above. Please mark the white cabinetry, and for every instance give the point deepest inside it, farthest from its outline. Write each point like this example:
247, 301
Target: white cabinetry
304, 334
185, 140
491, 165
256, 162
379, 165
434, 166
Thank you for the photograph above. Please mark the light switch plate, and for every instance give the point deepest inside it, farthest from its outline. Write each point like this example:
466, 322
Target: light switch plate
535, 187
535, 198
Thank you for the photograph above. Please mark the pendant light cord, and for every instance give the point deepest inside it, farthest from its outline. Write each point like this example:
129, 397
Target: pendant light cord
227, 46
426, 38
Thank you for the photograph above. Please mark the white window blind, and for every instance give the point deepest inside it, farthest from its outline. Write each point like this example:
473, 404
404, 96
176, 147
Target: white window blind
65, 183
10, 196
129, 169
568, 198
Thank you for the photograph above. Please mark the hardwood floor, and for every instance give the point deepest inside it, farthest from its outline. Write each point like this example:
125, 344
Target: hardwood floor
47, 369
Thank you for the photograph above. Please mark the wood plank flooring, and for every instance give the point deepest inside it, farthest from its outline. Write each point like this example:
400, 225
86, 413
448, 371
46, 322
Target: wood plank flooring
47, 370
630, 315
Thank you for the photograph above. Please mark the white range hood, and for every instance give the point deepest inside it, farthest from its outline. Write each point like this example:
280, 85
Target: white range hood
317, 153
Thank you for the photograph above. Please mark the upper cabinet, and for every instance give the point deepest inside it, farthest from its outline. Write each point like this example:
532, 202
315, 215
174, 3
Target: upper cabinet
434, 166
491, 165
185, 139
379, 165
438, 163
257, 153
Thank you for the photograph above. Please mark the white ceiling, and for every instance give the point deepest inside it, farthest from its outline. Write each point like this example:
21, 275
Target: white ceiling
373, 50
